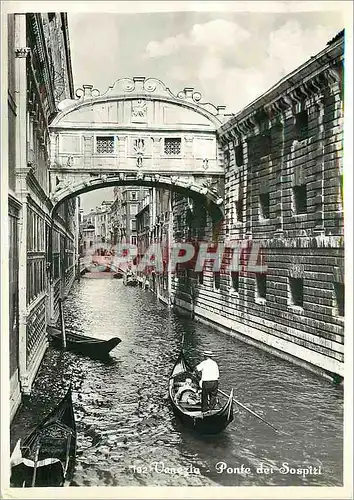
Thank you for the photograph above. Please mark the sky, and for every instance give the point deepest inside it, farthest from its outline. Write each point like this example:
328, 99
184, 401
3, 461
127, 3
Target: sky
230, 57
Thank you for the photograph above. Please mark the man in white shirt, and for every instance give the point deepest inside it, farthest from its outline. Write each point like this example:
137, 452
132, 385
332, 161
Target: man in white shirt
210, 381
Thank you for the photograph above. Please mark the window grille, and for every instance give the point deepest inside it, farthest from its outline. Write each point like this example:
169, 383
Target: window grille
217, 280
339, 296
264, 205
239, 155
235, 280
297, 291
238, 210
172, 146
302, 125
300, 199
261, 286
105, 145
265, 144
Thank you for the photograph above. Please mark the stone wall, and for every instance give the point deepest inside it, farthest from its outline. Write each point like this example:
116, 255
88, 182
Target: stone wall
283, 178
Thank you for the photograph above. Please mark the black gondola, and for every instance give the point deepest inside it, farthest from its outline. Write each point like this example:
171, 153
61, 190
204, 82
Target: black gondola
212, 422
47, 456
130, 280
82, 344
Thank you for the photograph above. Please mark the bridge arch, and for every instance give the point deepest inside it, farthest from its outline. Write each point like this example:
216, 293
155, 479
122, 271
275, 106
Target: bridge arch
138, 133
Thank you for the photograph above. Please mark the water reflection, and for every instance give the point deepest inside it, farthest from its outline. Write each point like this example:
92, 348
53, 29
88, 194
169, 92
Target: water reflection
124, 419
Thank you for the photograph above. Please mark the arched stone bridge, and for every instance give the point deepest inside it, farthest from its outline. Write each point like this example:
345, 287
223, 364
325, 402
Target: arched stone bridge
137, 132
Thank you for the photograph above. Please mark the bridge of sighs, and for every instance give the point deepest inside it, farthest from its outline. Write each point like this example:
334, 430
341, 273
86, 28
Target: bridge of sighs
138, 133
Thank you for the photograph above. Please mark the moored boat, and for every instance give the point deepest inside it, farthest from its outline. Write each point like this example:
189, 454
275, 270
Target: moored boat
190, 414
82, 344
130, 280
47, 456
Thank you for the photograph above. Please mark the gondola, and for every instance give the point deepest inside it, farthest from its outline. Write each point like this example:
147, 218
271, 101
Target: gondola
47, 456
212, 422
130, 280
82, 344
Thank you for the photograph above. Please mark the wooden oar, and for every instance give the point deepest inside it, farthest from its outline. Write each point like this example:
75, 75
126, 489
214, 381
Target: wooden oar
62, 322
252, 412
35, 465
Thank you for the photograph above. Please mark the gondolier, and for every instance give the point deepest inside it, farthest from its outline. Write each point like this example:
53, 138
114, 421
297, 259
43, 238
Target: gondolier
210, 381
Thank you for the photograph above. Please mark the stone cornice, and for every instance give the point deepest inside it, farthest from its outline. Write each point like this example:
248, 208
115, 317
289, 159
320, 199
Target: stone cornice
37, 189
22, 52
308, 80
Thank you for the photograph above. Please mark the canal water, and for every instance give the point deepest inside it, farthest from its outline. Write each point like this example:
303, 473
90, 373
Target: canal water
127, 434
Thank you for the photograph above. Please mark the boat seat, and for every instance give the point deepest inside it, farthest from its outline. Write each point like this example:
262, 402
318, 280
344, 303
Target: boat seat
190, 407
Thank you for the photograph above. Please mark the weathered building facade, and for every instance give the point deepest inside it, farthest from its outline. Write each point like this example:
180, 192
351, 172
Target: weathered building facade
39, 76
283, 190
123, 213
154, 223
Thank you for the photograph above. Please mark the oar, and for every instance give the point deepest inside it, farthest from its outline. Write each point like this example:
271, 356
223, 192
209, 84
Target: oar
62, 322
247, 409
35, 465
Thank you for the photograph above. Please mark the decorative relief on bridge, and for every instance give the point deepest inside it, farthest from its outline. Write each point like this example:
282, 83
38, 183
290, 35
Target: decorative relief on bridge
139, 149
142, 85
139, 111
70, 161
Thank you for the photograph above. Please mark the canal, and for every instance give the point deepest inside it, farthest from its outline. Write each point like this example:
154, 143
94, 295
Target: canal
127, 434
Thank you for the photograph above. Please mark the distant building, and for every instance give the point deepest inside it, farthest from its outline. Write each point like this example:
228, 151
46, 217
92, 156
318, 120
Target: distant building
154, 222
95, 228
123, 212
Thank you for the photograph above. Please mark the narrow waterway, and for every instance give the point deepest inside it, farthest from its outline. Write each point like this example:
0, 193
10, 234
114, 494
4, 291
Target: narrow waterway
127, 434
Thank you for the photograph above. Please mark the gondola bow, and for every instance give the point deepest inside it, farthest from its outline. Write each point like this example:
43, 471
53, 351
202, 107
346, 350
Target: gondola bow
47, 456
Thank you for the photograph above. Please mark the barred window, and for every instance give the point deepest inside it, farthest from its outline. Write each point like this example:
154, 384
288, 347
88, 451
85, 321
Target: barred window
235, 280
264, 205
261, 286
217, 280
339, 296
172, 146
239, 155
302, 125
105, 145
300, 199
297, 291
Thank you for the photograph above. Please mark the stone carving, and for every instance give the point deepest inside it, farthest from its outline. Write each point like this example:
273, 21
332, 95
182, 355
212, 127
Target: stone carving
208, 182
87, 92
205, 163
62, 184
139, 148
139, 109
70, 161
22, 51
142, 85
